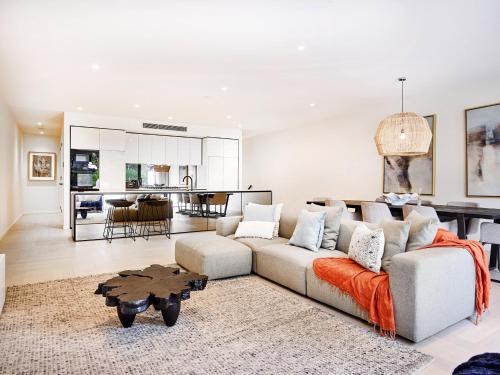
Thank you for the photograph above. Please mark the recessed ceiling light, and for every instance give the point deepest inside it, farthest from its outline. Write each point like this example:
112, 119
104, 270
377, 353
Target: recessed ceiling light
42, 132
39, 123
79, 108
301, 48
228, 117
312, 105
224, 89
137, 106
95, 67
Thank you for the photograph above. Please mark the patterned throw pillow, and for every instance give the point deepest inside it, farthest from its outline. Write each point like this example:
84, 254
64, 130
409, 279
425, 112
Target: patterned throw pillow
367, 247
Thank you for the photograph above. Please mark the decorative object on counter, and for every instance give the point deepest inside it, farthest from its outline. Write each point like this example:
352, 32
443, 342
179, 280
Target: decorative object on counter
132, 292
41, 166
111, 223
400, 199
404, 174
482, 134
404, 133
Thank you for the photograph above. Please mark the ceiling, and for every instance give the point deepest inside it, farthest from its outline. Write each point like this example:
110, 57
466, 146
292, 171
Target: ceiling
284, 63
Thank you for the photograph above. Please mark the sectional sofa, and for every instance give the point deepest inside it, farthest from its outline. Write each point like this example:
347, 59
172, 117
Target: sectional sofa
432, 289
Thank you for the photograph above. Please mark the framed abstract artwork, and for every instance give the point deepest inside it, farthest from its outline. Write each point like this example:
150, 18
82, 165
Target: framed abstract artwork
482, 137
411, 174
41, 166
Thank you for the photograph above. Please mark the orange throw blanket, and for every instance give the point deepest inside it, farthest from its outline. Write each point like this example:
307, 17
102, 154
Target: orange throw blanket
445, 238
370, 290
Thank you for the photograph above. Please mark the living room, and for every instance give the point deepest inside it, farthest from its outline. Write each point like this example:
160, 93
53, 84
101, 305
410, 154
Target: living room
295, 187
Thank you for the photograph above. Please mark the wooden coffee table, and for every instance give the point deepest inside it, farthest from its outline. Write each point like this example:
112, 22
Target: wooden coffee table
132, 292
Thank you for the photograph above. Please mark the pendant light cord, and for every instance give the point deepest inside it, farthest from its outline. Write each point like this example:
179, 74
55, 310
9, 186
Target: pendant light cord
402, 80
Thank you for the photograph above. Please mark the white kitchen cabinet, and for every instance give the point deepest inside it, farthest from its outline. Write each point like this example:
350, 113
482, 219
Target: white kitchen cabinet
215, 172
132, 148
145, 148
171, 150
213, 147
194, 151
158, 150
231, 174
112, 140
230, 148
183, 151
83, 138
111, 170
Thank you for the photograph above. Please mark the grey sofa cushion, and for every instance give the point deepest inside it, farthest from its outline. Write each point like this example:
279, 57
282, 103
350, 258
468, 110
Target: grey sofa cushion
422, 231
257, 243
212, 255
288, 221
345, 233
309, 230
396, 235
332, 224
287, 264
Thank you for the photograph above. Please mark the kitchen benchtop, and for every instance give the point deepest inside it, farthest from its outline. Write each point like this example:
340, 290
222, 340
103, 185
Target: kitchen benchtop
163, 191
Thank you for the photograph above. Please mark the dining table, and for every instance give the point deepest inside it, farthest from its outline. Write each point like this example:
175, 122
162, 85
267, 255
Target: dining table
461, 214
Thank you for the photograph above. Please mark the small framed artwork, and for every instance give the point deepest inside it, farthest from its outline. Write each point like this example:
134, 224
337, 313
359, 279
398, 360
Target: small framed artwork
482, 144
41, 166
411, 174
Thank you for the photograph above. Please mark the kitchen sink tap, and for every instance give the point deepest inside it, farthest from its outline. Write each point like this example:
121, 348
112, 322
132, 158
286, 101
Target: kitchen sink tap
190, 179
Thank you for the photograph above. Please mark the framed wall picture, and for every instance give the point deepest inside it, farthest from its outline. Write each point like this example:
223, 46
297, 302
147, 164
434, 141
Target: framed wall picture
411, 174
41, 166
482, 137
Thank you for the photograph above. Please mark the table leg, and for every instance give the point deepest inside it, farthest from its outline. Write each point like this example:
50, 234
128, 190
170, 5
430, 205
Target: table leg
125, 319
462, 232
171, 313
83, 214
494, 253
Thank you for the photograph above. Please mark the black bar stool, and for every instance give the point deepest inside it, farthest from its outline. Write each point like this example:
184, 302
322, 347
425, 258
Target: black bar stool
111, 223
153, 217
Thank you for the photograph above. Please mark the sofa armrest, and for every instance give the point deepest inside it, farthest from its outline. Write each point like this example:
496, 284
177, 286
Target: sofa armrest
225, 226
431, 290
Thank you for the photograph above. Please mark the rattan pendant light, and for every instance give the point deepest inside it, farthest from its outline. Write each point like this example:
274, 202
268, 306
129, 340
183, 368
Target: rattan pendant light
404, 133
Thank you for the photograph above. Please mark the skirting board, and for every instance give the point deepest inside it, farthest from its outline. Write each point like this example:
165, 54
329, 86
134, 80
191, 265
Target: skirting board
10, 226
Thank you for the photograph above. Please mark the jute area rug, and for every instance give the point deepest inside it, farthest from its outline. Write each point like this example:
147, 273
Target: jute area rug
235, 326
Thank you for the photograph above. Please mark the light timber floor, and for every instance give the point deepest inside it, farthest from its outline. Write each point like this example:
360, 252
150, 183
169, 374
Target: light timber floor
38, 249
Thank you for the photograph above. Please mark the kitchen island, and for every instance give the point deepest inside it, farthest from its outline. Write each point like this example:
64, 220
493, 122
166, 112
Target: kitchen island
191, 210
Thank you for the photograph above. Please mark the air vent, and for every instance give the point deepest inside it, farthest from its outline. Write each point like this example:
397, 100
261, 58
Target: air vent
175, 128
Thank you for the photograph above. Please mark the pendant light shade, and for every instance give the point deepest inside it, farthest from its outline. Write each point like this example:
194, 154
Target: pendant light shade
404, 133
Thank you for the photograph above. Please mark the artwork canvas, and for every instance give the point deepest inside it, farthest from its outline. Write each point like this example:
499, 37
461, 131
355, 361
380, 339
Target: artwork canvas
42, 166
482, 128
411, 174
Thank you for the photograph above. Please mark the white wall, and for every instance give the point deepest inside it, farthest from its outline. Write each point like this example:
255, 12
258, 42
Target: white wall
10, 170
131, 125
40, 196
338, 158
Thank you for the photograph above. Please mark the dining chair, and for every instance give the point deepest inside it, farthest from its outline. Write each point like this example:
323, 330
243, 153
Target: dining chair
196, 208
474, 224
332, 202
375, 212
218, 199
490, 234
430, 212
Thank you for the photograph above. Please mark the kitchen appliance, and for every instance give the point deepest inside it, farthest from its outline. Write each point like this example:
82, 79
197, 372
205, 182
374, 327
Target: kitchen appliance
84, 170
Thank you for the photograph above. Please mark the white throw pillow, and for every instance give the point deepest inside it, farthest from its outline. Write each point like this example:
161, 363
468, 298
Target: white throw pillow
367, 247
255, 229
308, 232
264, 212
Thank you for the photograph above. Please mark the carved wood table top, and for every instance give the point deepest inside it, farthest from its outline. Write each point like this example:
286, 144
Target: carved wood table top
133, 291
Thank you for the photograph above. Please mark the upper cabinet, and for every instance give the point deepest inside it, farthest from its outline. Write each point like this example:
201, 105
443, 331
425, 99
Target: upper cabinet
231, 148
112, 140
158, 150
213, 147
84, 138
194, 151
183, 151
145, 148
132, 148
171, 150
